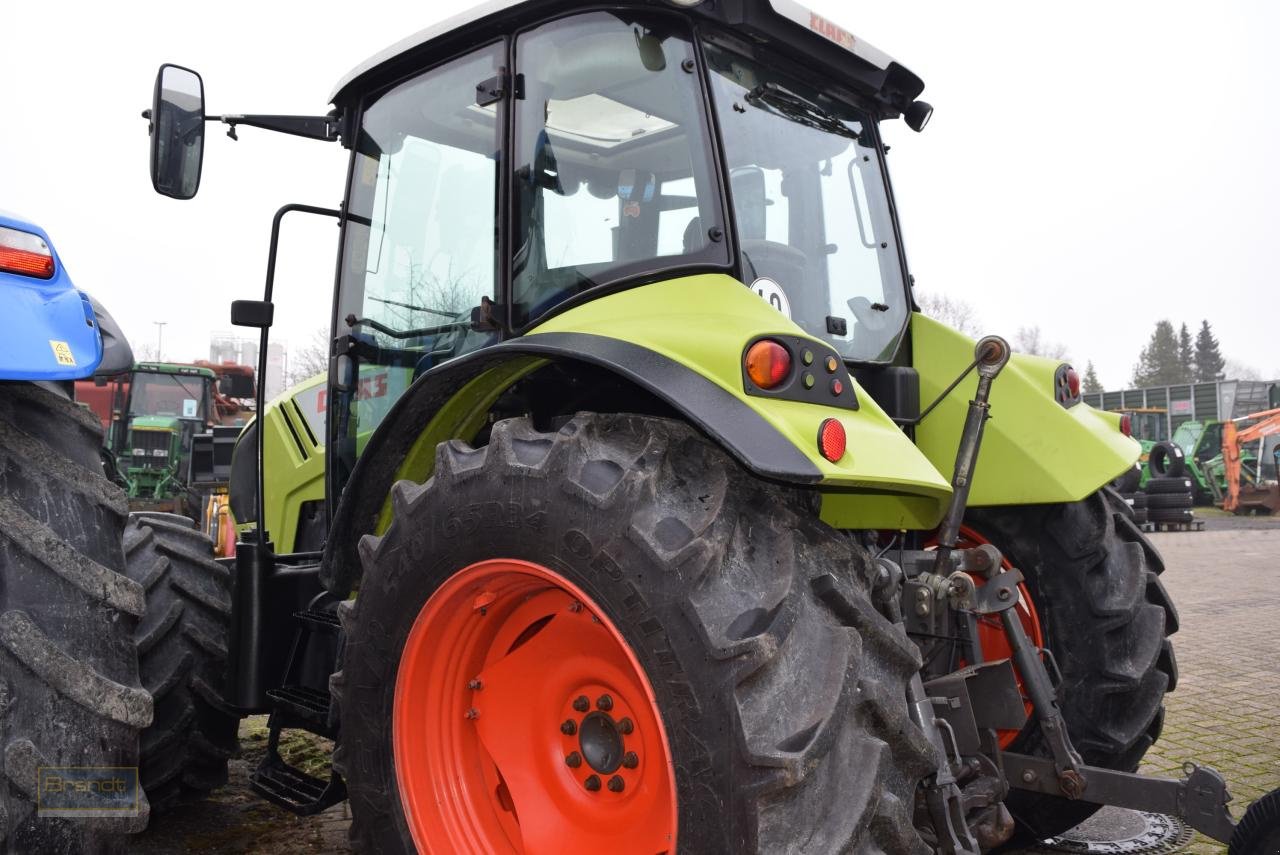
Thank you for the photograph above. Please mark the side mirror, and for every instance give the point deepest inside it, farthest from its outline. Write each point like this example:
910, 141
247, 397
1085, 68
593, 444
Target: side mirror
177, 132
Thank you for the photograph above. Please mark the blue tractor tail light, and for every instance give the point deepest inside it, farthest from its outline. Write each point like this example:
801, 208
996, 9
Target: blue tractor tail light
24, 253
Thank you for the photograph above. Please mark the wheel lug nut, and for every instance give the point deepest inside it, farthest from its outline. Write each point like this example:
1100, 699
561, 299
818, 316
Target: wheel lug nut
630, 760
472, 713
573, 761
604, 702
474, 685
625, 725
568, 727
592, 783
616, 784
581, 704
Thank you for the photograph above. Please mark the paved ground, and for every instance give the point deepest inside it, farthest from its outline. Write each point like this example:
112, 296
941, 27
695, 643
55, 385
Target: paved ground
1224, 712
1224, 581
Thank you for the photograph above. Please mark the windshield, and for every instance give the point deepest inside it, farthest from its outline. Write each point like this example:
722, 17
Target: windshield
180, 396
421, 241
815, 227
612, 160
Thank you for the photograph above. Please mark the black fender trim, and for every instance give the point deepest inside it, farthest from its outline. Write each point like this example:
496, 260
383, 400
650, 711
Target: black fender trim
727, 420
117, 356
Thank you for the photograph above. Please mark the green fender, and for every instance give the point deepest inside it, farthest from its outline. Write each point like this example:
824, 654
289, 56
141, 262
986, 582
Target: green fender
293, 446
682, 340
704, 323
1034, 450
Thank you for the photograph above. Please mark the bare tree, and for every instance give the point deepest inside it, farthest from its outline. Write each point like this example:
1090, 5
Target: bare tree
1235, 370
425, 301
309, 359
953, 312
1031, 340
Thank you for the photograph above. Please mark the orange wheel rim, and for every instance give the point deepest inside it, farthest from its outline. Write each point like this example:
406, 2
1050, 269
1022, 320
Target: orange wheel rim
524, 723
992, 640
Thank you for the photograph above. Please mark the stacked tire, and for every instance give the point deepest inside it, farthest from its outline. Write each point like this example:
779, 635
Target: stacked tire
1138, 501
1127, 486
1170, 493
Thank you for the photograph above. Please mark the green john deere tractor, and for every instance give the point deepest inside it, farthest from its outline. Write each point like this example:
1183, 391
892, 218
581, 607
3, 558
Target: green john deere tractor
655, 517
152, 415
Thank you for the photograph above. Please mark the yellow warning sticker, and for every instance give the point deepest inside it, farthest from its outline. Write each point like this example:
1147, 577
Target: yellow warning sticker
62, 352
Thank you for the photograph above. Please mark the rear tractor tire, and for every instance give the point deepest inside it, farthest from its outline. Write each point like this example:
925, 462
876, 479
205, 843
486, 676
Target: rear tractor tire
182, 645
1093, 578
69, 689
613, 638
1259, 830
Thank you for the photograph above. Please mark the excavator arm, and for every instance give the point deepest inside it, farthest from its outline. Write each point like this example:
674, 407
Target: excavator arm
1234, 439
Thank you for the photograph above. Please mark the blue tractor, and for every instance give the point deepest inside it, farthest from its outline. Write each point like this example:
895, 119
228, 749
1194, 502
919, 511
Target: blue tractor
69, 682
85, 665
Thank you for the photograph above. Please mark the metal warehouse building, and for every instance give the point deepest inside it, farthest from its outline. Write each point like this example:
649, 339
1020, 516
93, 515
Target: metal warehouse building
1219, 400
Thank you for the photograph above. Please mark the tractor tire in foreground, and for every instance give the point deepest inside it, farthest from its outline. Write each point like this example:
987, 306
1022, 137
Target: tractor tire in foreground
69, 689
182, 645
1259, 830
1094, 580
608, 638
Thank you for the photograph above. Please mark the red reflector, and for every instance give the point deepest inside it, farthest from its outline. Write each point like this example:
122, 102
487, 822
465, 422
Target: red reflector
768, 363
26, 263
1073, 383
831, 439
25, 253
1126, 425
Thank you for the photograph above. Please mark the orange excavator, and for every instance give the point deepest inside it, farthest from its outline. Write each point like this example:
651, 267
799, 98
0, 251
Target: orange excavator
1260, 494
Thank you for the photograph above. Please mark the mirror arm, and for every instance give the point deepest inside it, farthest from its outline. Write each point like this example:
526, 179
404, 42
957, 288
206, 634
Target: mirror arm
312, 127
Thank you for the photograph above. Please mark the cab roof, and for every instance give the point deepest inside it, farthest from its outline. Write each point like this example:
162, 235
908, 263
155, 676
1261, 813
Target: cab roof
783, 24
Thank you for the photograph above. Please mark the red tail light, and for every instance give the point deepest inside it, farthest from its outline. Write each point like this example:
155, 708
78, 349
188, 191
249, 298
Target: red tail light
25, 253
1126, 424
831, 439
1073, 382
768, 363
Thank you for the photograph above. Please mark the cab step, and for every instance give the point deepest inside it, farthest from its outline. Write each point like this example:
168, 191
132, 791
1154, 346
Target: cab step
319, 620
298, 706
302, 706
294, 790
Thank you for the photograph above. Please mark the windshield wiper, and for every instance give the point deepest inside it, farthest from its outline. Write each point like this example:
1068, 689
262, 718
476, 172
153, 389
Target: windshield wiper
789, 105
353, 322
439, 312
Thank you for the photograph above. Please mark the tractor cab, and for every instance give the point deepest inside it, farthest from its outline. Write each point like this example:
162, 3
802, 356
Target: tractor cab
589, 154
1147, 425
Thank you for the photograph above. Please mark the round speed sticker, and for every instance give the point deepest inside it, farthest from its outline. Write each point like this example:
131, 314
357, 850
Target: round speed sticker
771, 292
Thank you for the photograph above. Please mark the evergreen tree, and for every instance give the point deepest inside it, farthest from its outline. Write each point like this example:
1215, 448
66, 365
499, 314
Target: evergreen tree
1208, 359
1091, 383
1186, 359
1159, 364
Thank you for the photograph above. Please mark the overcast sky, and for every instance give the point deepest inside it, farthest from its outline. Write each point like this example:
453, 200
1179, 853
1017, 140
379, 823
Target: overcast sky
1091, 167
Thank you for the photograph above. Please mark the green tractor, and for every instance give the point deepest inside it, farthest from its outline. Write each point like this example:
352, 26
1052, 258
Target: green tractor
655, 517
169, 430
154, 455
1201, 442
